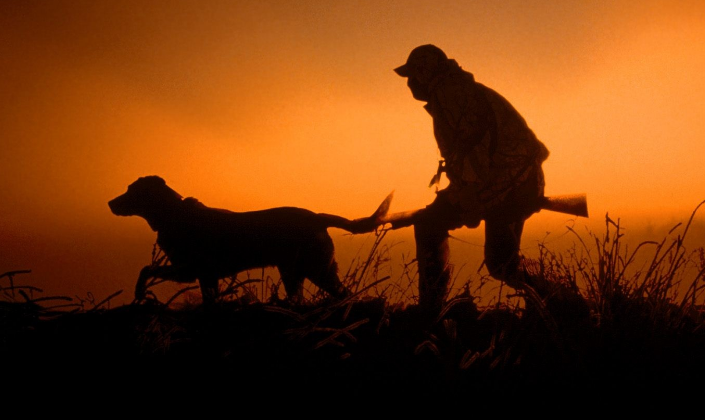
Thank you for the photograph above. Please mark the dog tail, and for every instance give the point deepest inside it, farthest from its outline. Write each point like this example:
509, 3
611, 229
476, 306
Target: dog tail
363, 224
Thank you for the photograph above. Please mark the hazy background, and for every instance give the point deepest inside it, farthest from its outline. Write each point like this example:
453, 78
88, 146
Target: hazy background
254, 104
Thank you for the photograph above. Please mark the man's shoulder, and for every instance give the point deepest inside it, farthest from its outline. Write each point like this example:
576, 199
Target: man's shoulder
490, 93
459, 87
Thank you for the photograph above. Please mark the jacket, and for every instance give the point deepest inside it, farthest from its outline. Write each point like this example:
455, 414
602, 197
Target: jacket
492, 158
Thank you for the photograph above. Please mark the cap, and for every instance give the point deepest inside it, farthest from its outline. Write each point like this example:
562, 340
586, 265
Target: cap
427, 55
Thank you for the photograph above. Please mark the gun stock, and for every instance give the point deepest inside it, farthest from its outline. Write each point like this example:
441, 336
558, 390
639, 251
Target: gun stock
575, 204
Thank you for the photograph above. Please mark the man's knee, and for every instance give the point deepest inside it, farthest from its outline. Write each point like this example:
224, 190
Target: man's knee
503, 269
503, 261
502, 242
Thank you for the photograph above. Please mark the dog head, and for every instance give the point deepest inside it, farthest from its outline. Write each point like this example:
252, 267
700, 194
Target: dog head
148, 197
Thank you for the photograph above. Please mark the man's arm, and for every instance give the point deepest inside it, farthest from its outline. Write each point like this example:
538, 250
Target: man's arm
462, 130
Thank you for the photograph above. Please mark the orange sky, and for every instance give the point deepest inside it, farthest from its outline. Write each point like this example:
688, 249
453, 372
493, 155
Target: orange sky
256, 104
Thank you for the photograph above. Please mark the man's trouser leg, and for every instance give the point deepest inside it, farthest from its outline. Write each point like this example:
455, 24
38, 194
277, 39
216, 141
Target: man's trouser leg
502, 241
432, 254
504, 228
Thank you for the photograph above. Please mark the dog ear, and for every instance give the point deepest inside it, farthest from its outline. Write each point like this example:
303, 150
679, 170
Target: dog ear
156, 181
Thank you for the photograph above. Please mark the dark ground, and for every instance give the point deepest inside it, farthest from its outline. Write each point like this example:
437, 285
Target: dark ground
357, 349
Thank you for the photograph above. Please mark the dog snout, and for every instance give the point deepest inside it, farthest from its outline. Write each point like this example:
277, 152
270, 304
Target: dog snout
117, 206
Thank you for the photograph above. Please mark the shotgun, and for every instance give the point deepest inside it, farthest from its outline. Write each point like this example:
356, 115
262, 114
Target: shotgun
573, 204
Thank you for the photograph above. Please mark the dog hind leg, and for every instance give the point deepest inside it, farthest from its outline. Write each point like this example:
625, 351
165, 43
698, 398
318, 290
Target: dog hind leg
328, 280
322, 268
293, 281
209, 289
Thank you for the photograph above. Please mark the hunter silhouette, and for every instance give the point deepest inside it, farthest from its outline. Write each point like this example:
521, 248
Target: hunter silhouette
492, 160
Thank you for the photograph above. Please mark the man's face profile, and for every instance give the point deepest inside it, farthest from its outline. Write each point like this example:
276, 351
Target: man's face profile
418, 89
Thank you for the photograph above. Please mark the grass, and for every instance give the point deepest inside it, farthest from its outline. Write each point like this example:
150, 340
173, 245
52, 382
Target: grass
606, 318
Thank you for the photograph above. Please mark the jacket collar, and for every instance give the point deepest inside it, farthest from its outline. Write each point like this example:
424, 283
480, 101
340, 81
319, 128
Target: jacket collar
452, 68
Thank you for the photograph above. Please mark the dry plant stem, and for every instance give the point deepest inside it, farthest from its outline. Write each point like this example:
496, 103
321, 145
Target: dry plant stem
379, 236
610, 278
106, 300
11, 276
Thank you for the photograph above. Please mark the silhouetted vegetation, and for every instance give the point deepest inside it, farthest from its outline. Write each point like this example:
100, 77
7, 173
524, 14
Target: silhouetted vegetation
603, 320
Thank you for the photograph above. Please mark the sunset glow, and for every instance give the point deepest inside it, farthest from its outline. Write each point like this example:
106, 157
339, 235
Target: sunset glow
249, 105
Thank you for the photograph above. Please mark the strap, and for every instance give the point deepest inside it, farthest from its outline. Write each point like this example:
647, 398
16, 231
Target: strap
437, 177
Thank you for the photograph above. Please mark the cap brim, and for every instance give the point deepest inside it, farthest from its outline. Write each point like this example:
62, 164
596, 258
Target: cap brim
402, 70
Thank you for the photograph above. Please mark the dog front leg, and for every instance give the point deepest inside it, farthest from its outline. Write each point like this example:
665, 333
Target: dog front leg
165, 272
141, 288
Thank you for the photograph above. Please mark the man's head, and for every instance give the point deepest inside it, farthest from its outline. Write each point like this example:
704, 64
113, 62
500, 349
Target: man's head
422, 65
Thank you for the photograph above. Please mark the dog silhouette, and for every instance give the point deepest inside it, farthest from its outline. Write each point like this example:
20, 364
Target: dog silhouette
206, 244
